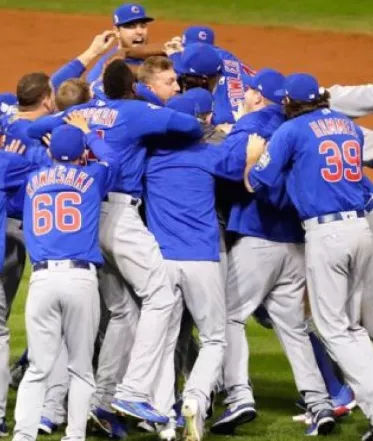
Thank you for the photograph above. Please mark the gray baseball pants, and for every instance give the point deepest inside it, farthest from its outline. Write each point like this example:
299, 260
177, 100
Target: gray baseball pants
339, 269
119, 336
200, 286
278, 281
62, 304
128, 245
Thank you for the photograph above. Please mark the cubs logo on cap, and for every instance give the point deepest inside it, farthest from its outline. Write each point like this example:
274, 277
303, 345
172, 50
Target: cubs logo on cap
129, 13
198, 34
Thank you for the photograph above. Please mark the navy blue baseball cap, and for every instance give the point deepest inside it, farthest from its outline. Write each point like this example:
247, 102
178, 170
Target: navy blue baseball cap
198, 59
198, 34
300, 87
194, 102
67, 143
129, 13
267, 82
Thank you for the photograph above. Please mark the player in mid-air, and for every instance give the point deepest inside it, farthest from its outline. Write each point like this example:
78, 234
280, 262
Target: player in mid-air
320, 153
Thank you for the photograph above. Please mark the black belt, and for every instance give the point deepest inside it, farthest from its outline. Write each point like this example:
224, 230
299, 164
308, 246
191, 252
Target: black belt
80, 264
332, 217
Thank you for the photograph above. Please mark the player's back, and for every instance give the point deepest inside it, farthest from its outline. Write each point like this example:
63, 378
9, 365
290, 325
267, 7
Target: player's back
180, 203
327, 171
62, 212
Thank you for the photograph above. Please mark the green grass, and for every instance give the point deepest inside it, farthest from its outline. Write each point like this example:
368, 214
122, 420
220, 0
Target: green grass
274, 389
342, 14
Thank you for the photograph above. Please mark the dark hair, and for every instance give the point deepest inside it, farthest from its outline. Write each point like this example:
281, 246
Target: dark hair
118, 80
71, 93
152, 65
32, 89
296, 108
187, 82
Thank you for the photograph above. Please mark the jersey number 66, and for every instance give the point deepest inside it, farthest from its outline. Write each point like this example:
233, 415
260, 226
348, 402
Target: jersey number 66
60, 211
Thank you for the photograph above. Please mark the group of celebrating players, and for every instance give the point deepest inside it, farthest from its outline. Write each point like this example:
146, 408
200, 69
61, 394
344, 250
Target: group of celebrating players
169, 188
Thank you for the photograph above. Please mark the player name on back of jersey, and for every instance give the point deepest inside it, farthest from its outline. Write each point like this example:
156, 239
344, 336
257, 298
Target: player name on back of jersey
333, 126
100, 116
60, 175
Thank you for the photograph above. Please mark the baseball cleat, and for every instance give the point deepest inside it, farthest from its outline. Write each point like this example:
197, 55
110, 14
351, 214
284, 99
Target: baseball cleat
167, 432
108, 423
140, 410
345, 398
323, 423
234, 416
3, 429
46, 426
193, 430
146, 426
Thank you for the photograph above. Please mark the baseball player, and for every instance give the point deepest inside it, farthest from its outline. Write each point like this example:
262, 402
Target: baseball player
180, 212
61, 219
71, 92
229, 93
131, 30
157, 84
319, 150
273, 238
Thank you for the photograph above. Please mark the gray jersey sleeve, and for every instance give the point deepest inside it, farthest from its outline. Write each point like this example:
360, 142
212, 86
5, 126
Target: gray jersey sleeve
354, 101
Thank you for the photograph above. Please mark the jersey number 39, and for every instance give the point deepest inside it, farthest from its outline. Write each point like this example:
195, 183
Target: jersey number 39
64, 214
342, 162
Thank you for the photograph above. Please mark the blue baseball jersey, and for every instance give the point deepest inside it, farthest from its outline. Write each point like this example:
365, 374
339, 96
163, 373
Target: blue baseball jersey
62, 207
8, 104
36, 153
270, 213
17, 129
124, 124
230, 90
180, 198
321, 155
95, 73
14, 171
